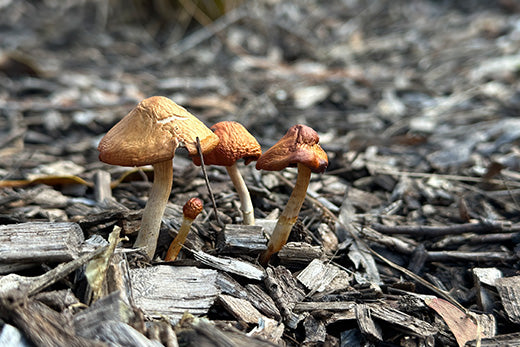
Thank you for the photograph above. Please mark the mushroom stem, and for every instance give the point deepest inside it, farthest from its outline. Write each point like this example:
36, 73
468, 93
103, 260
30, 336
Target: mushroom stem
246, 206
178, 241
289, 215
154, 209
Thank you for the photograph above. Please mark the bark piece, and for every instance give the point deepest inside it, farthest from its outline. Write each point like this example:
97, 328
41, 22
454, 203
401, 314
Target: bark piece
295, 255
268, 329
347, 306
285, 291
40, 242
242, 239
366, 324
107, 320
504, 340
235, 266
315, 331
509, 290
404, 321
318, 275
262, 301
173, 290
241, 309
42, 325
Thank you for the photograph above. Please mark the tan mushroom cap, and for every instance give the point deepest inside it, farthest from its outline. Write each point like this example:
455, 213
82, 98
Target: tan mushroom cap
298, 145
235, 143
151, 133
192, 208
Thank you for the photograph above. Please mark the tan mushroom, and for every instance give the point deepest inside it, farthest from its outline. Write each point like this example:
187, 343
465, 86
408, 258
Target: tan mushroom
150, 134
190, 211
299, 146
235, 143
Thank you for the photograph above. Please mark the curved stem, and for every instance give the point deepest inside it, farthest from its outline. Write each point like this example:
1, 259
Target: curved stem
178, 241
289, 215
154, 209
246, 206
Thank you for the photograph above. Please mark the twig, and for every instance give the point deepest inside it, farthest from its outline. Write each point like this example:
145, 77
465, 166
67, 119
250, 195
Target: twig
199, 151
434, 231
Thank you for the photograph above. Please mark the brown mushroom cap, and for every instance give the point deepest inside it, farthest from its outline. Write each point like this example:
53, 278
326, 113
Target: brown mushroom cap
192, 208
235, 143
298, 145
151, 132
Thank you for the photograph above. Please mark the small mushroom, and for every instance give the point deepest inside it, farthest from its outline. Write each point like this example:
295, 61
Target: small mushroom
235, 143
190, 211
150, 134
299, 146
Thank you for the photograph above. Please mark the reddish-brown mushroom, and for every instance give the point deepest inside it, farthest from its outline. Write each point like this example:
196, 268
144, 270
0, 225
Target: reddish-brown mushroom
150, 134
299, 146
235, 143
190, 211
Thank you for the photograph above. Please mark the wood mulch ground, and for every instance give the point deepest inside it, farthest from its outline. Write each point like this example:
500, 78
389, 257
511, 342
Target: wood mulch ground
410, 238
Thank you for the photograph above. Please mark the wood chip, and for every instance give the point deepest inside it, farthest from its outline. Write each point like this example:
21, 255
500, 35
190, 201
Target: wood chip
235, 266
241, 309
509, 290
173, 290
40, 242
242, 239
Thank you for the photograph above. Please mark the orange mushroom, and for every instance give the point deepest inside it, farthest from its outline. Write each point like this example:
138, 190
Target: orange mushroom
299, 146
235, 143
190, 211
150, 134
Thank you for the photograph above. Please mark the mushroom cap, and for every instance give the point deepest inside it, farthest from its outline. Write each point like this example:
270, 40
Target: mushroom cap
192, 208
235, 143
298, 145
151, 133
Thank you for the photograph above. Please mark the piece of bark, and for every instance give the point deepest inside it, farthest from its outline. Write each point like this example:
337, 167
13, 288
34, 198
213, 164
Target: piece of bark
118, 278
231, 265
241, 309
327, 306
242, 239
173, 290
107, 320
317, 275
286, 292
504, 340
206, 335
41, 325
40, 242
295, 255
251, 292
366, 324
315, 332
262, 301
509, 291
404, 321
16, 286
268, 329
484, 279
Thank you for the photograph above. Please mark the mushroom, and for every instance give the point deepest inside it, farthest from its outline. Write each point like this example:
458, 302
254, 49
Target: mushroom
299, 146
190, 211
150, 134
235, 143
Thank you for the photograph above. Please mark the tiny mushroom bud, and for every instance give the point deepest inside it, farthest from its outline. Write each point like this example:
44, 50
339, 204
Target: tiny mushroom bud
190, 211
149, 134
299, 146
235, 143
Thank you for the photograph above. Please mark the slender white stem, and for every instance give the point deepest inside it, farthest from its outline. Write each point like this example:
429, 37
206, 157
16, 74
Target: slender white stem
178, 241
154, 209
246, 206
289, 215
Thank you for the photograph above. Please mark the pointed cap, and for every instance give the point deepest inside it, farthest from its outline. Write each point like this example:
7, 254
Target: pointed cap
151, 132
298, 145
235, 143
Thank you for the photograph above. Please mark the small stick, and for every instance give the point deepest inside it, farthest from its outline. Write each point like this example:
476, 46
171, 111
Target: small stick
199, 151
433, 231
